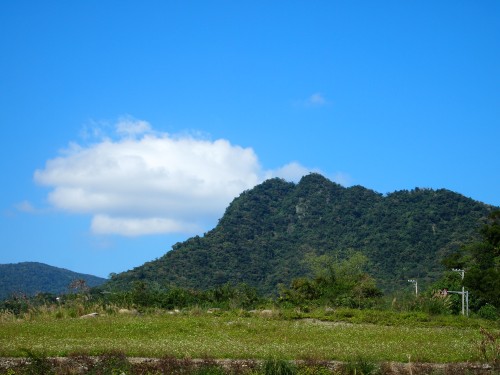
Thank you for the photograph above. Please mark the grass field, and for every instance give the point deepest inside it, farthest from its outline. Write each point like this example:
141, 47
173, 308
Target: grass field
242, 335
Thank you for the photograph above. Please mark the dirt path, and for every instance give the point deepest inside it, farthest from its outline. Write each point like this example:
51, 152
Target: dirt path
82, 364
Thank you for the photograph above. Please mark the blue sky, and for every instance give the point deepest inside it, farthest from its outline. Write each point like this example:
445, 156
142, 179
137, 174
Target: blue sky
129, 126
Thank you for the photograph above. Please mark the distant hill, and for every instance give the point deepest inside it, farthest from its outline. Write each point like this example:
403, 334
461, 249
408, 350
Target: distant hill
30, 278
266, 232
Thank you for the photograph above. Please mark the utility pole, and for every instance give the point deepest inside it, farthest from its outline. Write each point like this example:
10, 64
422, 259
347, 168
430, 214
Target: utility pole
467, 302
416, 286
463, 293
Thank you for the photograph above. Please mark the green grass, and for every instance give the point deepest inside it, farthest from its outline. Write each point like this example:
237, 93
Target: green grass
394, 318
243, 336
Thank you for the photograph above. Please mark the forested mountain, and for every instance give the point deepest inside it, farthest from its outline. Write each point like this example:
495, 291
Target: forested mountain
30, 278
267, 232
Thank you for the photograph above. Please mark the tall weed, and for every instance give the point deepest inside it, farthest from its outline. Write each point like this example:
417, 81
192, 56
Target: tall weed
360, 366
489, 348
37, 364
275, 366
110, 364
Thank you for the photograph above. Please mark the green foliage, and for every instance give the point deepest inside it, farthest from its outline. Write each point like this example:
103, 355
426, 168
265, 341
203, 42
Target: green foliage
276, 366
451, 303
225, 296
31, 278
267, 232
335, 283
359, 365
321, 334
431, 301
433, 305
17, 304
313, 369
142, 297
489, 348
488, 312
481, 262
111, 363
38, 364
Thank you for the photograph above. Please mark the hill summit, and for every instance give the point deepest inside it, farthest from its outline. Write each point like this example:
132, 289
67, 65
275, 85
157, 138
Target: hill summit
267, 232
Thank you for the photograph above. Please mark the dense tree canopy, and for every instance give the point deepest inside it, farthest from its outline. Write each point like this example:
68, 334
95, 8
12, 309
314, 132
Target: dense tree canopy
267, 233
481, 262
335, 283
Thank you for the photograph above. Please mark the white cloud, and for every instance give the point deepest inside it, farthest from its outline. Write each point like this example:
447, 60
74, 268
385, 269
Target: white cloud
155, 183
104, 224
316, 99
342, 178
294, 171
25, 206
313, 101
128, 126
291, 172
145, 182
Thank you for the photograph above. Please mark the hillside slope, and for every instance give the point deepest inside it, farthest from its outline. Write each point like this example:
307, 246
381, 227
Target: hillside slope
266, 232
31, 277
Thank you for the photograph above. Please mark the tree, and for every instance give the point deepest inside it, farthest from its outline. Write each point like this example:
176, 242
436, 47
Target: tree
339, 283
481, 261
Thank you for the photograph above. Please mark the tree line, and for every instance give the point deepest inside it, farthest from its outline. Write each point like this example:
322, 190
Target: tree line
345, 282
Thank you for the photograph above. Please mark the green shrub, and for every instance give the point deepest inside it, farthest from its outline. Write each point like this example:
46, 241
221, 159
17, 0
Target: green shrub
38, 364
360, 366
275, 366
313, 370
110, 364
488, 312
17, 304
